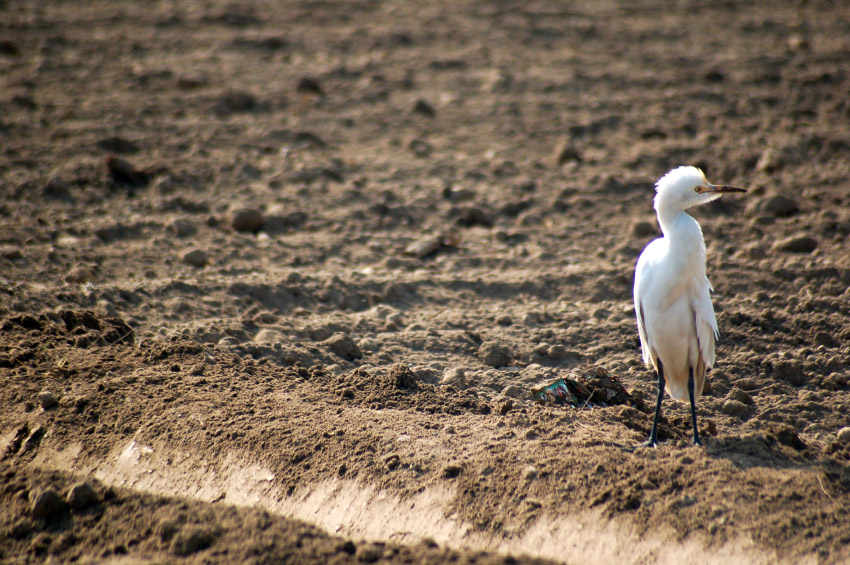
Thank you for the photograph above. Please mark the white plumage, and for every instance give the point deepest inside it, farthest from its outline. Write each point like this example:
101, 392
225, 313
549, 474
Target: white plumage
675, 316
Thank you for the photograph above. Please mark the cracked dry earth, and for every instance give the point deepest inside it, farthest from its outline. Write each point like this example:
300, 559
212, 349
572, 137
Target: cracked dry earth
277, 280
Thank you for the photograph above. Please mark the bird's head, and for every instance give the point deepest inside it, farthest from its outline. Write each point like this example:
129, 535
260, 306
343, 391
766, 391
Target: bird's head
685, 187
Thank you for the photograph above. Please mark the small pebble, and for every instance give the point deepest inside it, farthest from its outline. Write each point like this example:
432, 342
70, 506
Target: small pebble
494, 354
735, 408
776, 205
643, 229
512, 391
183, 227
48, 504
247, 220
844, 435
196, 258
82, 495
423, 108
796, 244
47, 399
80, 274
455, 377
344, 346
420, 148
565, 152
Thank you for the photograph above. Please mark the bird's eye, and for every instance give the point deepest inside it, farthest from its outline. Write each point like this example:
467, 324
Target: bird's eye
698, 189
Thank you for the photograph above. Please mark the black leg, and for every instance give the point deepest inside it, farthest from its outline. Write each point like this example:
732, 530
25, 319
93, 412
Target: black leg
653, 435
693, 406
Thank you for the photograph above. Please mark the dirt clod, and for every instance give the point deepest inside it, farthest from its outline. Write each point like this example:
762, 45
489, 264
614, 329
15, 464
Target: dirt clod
47, 504
47, 399
191, 539
494, 354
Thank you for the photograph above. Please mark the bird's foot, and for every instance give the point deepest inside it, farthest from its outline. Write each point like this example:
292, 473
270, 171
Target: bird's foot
648, 443
697, 441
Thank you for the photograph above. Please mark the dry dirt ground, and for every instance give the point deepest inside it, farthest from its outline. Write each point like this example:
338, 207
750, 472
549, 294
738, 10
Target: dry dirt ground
266, 261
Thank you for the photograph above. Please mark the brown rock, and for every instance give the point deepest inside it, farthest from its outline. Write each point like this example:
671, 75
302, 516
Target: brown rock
800, 243
494, 354
248, 220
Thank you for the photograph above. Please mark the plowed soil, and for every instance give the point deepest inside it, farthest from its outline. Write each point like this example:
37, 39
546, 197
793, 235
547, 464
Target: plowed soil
271, 262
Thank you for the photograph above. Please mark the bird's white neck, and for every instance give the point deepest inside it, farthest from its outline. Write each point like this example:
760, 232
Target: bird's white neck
680, 229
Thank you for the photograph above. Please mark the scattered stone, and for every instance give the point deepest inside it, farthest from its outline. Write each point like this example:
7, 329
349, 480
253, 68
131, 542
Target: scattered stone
196, 258
370, 553
58, 189
247, 220
835, 381
530, 473
753, 250
643, 229
420, 148
494, 354
191, 539
125, 173
401, 376
452, 470
776, 205
309, 85
117, 145
235, 101
82, 495
191, 81
48, 504
565, 153
788, 371
458, 194
844, 434
423, 108
558, 352
474, 216
735, 408
344, 346
770, 160
9, 48
786, 435
80, 274
25, 101
747, 384
512, 391
47, 399
504, 320
796, 244
369, 344
268, 336
183, 227
11, 253
105, 308
455, 377
425, 247
825, 339
741, 396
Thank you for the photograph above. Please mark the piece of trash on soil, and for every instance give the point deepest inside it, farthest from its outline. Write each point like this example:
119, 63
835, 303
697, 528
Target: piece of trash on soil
593, 387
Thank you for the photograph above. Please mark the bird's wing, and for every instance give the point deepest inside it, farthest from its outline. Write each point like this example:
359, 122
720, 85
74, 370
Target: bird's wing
705, 322
640, 284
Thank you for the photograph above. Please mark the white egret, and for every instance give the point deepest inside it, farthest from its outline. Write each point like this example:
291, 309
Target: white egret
675, 317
